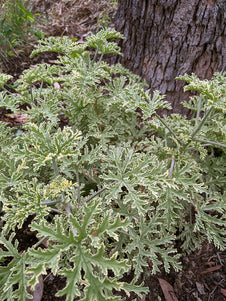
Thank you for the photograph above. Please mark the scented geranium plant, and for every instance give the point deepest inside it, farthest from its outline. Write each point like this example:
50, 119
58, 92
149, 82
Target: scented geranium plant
110, 188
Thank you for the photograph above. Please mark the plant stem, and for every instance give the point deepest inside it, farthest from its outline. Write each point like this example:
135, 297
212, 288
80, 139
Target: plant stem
48, 203
67, 207
40, 92
87, 200
39, 242
211, 142
198, 111
199, 127
215, 181
171, 167
32, 98
55, 210
55, 168
95, 55
78, 186
201, 123
171, 131
101, 57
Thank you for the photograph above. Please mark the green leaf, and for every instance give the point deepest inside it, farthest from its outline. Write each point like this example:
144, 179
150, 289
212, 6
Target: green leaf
126, 168
209, 223
100, 41
213, 90
96, 288
63, 45
13, 273
42, 144
3, 79
21, 205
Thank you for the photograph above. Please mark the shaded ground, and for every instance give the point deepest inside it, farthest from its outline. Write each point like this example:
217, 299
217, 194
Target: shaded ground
74, 18
202, 277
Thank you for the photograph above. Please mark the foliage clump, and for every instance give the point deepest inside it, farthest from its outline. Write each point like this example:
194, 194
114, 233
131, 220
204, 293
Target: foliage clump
16, 27
111, 187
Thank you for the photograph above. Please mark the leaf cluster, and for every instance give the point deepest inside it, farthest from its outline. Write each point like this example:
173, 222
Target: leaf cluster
16, 26
111, 186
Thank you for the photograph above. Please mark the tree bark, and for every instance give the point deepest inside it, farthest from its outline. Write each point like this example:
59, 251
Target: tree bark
167, 38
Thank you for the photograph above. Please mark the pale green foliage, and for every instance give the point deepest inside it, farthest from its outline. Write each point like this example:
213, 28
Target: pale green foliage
4, 78
61, 45
44, 143
10, 102
213, 91
13, 273
81, 255
100, 41
110, 189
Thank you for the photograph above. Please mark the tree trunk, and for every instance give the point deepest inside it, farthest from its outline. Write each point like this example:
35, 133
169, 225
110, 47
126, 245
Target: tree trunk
167, 38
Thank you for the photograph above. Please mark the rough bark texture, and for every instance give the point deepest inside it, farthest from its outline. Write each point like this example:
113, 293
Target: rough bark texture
166, 38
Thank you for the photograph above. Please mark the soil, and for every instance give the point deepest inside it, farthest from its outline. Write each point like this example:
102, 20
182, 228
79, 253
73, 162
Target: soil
202, 277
